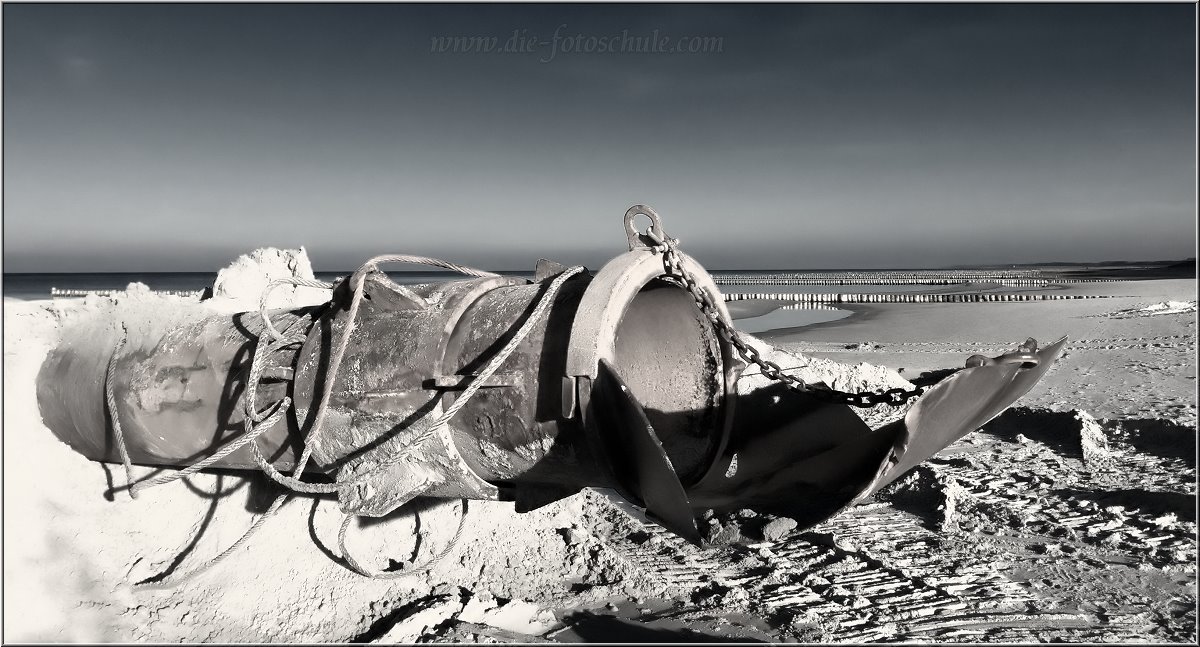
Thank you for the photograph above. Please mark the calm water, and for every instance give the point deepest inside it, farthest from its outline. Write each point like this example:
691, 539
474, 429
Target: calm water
790, 318
37, 286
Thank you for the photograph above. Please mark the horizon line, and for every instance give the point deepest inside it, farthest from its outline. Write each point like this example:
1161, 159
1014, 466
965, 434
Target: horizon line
1191, 259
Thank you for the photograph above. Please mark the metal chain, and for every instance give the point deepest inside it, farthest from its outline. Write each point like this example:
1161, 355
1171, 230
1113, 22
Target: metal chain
673, 266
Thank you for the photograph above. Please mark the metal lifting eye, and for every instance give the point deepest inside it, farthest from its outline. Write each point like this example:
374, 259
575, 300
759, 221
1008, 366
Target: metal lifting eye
652, 236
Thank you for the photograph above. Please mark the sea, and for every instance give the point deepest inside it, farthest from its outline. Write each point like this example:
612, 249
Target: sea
28, 286
38, 286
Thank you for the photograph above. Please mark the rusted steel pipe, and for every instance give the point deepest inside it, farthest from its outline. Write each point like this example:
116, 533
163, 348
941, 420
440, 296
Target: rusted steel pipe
178, 386
527, 436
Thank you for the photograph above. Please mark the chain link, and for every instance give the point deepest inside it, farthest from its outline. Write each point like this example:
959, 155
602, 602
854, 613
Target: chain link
673, 266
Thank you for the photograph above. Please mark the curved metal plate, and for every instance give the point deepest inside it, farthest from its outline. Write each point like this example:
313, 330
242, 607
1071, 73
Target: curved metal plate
961, 404
594, 331
786, 447
796, 456
599, 315
637, 456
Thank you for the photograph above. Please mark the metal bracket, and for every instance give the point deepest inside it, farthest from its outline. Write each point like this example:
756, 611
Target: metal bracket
384, 293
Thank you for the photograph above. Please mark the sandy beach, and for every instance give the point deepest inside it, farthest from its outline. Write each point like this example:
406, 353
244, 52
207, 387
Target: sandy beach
1070, 517
1122, 362
700, 240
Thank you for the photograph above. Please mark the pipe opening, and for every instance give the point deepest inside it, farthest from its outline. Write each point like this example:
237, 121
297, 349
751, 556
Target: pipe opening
668, 353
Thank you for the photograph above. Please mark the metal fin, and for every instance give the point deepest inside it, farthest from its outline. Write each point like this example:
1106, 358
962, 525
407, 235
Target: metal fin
546, 268
639, 461
372, 500
793, 455
963, 403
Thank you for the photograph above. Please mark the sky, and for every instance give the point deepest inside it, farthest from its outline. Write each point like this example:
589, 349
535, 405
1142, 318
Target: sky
176, 137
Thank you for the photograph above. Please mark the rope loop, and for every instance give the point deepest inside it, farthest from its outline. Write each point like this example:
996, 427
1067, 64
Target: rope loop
410, 571
257, 422
110, 398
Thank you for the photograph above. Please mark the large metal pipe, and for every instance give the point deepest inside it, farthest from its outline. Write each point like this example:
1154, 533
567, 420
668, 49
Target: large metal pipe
528, 435
625, 383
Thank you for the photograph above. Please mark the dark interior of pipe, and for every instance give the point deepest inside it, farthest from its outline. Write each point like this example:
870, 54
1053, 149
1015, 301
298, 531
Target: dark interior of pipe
668, 354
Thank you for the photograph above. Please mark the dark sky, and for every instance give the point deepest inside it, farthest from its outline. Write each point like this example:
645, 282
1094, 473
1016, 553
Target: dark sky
176, 137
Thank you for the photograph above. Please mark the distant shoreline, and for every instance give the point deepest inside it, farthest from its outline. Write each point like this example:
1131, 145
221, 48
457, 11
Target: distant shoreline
859, 312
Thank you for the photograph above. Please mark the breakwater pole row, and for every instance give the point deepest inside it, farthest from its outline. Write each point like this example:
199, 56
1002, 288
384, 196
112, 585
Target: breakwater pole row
871, 275
775, 280
59, 292
905, 298
807, 306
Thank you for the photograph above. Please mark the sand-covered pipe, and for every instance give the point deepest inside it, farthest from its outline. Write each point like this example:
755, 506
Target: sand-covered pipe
528, 434
619, 380
178, 384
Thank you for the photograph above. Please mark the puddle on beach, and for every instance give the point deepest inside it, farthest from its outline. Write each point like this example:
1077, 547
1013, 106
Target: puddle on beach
760, 316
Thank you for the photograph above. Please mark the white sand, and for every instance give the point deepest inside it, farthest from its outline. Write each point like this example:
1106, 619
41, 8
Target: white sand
70, 554
1116, 365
